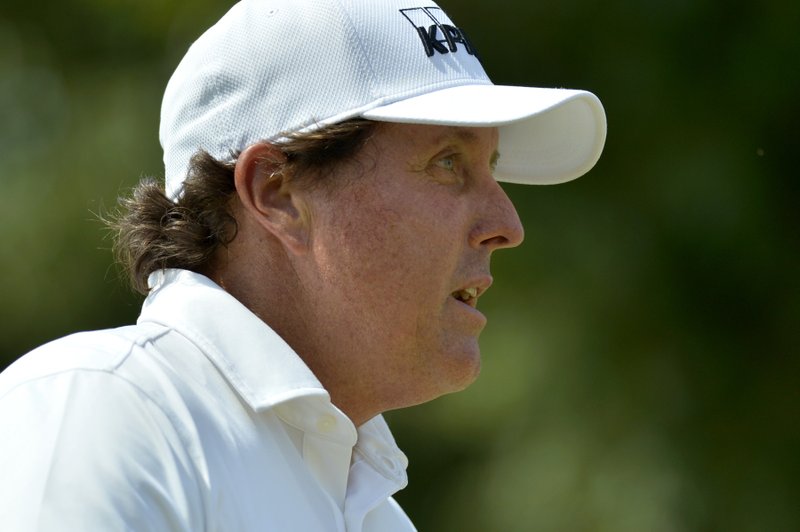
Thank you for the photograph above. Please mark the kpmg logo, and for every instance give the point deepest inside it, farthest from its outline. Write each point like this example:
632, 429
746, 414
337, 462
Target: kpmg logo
436, 36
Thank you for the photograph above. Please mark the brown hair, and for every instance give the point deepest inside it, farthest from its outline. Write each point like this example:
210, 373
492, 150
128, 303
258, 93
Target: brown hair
152, 232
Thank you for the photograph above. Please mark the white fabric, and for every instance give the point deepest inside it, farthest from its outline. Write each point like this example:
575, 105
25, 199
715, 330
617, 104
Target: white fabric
197, 418
273, 67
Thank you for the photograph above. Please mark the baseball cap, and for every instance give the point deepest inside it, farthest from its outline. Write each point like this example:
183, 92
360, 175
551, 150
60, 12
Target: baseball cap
270, 68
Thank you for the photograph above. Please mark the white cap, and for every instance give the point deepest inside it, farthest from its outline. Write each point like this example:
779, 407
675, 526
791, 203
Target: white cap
273, 67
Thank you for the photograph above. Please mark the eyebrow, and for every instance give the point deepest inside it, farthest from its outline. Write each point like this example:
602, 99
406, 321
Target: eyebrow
465, 135
462, 133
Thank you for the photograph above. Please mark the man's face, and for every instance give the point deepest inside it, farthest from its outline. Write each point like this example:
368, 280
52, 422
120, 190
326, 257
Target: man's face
402, 252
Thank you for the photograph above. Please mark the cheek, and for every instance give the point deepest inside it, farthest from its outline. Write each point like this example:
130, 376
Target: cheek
402, 246
388, 251
386, 260
356, 249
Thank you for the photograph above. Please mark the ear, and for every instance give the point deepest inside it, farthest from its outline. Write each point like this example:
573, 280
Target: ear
268, 198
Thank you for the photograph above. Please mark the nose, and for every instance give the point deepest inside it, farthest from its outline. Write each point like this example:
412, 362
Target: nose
497, 225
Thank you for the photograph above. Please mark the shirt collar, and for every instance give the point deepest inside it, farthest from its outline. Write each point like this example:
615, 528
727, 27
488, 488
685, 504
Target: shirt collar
258, 363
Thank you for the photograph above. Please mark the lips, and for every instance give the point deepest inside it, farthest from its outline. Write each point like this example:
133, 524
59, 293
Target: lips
472, 290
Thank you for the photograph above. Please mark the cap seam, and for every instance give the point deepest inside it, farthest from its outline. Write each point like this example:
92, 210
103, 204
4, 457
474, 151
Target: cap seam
365, 65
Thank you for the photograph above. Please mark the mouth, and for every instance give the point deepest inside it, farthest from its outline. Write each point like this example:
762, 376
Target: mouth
468, 296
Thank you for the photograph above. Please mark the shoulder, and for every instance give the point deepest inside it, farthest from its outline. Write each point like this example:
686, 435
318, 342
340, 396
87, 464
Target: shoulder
102, 351
86, 376
105, 373
84, 432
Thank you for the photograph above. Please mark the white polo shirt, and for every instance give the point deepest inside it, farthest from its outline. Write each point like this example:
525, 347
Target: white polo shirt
198, 418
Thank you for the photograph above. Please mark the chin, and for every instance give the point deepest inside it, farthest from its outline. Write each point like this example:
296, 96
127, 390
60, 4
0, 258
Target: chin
442, 371
462, 369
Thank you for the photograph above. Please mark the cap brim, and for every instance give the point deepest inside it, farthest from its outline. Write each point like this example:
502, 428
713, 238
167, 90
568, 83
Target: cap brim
547, 136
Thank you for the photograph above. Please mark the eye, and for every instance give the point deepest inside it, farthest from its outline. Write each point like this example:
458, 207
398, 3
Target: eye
447, 169
493, 163
447, 163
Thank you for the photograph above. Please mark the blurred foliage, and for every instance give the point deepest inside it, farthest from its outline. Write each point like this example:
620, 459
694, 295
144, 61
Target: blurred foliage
641, 361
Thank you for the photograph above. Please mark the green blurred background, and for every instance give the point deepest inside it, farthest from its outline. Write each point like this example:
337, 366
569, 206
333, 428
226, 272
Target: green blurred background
641, 360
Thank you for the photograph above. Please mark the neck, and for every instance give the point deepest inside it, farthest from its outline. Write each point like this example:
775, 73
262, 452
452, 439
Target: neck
269, 285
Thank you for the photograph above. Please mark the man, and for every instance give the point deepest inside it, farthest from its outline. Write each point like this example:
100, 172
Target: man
331, 206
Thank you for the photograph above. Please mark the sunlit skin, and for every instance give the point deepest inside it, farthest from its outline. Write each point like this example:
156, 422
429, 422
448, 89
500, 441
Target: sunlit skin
373, 283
